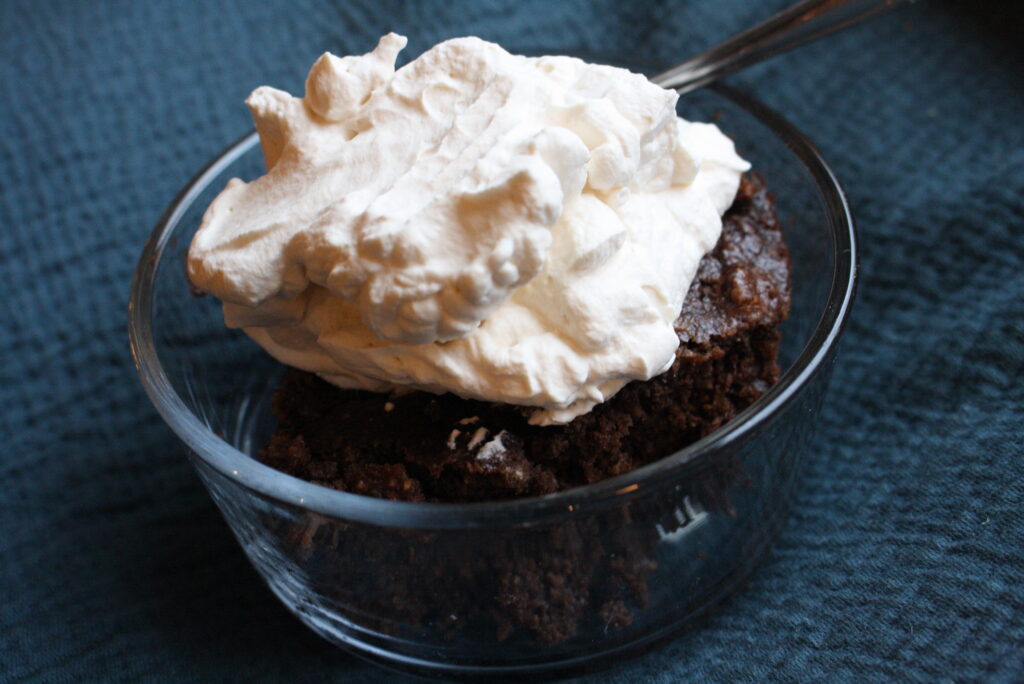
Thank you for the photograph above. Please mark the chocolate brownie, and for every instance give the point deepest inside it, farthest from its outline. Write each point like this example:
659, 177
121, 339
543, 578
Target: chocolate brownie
546, 583
425, 447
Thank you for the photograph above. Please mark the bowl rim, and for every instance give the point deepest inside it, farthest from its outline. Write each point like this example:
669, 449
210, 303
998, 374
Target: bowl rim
272, 484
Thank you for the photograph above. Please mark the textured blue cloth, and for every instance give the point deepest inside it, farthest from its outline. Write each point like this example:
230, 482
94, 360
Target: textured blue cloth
905, 554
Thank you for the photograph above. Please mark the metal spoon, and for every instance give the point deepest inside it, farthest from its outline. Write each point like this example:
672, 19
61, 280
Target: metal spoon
799, 24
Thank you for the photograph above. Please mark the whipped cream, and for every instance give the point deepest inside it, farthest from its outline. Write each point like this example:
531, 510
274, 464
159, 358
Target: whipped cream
510, 229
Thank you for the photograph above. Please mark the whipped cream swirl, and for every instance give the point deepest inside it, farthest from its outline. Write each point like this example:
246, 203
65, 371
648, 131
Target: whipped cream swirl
510, 229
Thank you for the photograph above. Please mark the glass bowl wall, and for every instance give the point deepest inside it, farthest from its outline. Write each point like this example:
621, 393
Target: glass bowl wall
556, 583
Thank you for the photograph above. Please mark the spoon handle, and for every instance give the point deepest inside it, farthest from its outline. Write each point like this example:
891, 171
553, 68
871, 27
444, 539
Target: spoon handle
794, 26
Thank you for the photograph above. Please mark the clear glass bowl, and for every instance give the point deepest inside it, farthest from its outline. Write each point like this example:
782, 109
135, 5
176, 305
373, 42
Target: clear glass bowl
563, 582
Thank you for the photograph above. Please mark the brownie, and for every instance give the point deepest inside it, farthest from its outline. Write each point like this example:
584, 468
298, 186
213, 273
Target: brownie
426, 447
545, 583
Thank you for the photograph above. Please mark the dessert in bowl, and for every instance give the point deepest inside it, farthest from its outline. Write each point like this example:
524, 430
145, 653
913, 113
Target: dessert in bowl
596, 524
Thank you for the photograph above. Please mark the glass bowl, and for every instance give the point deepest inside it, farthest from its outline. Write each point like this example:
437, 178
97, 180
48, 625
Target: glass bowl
564, 582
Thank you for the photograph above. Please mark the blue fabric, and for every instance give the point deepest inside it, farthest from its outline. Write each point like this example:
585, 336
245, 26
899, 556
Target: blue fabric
904, 556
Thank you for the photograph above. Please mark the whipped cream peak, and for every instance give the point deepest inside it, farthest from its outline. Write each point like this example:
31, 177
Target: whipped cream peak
511, 229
